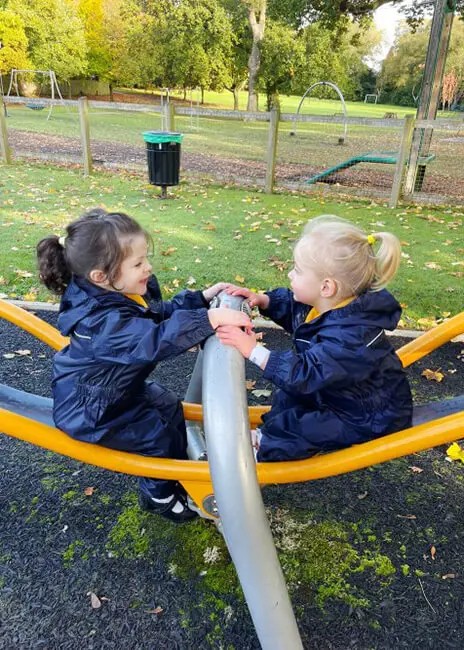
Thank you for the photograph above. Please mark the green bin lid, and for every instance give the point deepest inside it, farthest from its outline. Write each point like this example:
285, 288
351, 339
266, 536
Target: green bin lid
162, 136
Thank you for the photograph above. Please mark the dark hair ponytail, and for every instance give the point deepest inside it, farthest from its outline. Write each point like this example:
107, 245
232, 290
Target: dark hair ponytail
53, 269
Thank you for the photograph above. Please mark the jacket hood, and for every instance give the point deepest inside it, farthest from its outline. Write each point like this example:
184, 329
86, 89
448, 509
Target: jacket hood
81, 298
370, 309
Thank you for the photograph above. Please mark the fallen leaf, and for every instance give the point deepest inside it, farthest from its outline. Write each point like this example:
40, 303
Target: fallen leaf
89, 491
363, 495
262, 392
433, 551
239, 278
9, 355
250, 383
23, 353
432, 375
94, 600
169, 251
448, 576
155, 610
406, 516
416, 470
191, 281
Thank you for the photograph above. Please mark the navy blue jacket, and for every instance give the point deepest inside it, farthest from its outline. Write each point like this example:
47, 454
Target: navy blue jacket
99, 378
341, 384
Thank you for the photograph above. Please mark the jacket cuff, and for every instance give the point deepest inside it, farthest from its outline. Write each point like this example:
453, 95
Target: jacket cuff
205, 328
201, 298
267, 312
273, 362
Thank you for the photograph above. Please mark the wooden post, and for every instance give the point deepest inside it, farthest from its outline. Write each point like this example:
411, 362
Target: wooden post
85, 135
272, 150
431, 86
170, 119
4, 146
401, 160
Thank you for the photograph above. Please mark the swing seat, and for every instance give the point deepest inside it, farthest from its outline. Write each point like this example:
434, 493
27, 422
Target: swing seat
36, 106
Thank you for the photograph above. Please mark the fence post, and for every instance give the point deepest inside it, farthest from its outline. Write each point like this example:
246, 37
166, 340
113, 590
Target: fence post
401, 160
85, 134
272, 149
169, 114
4, 146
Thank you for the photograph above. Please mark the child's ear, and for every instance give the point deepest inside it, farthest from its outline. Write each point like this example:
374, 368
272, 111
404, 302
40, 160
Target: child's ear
97, 276
329, 288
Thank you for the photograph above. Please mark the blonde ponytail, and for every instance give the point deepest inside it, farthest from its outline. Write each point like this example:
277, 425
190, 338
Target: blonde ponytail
387, 259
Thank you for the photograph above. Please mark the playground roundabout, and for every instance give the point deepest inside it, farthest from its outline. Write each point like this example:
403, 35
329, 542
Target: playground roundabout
372, 558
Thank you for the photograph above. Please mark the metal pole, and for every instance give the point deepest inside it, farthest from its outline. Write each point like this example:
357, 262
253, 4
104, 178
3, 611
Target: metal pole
430, 90
196, 443
238, 496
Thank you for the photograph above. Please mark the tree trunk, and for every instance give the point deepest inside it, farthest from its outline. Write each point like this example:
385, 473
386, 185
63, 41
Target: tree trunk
235, 91
257, 25
202, 95
111, 92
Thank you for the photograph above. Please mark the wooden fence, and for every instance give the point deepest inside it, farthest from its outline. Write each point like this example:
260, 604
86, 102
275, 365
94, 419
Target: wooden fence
274, 117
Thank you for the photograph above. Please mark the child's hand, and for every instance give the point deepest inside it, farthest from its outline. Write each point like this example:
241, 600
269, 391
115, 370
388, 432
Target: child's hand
244, 342
260, 300
224, 316
210, 292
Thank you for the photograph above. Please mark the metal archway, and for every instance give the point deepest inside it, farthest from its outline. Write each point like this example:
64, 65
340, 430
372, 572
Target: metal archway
341, 140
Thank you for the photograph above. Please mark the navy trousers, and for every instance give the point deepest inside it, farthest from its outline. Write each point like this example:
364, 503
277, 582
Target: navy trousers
167, 440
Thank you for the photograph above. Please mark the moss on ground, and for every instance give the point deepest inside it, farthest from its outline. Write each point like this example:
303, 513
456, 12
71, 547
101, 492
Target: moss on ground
318, 558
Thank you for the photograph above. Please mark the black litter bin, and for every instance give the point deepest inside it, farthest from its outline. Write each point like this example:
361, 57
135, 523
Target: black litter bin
163, 155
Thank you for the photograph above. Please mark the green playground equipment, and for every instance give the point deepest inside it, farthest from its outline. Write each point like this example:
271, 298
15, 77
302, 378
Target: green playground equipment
385, 157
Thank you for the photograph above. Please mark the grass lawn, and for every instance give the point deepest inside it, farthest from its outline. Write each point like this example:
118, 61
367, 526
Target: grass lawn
209, 233
289, 103
315, 143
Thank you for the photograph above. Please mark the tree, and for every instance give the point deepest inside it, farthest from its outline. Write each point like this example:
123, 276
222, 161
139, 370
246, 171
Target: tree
449, 89
257, 20
55, 34
198, 45
402, 70
93, 17
299, 13
280, 53
13, 39
240, 47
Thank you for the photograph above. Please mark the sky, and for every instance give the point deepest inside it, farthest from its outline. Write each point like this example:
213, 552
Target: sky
387, 18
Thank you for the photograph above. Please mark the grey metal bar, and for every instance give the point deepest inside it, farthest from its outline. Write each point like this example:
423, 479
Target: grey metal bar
196, 443
238, 495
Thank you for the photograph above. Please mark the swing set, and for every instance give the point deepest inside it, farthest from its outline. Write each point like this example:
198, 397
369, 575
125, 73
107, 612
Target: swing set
37, 103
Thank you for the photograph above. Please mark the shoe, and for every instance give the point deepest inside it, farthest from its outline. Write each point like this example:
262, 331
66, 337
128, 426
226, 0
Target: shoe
166, 509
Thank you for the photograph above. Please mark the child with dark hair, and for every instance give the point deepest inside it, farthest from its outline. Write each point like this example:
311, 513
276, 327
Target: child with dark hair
119, 329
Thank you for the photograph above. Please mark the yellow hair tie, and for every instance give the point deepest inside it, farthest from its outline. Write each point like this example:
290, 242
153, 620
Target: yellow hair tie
371, 239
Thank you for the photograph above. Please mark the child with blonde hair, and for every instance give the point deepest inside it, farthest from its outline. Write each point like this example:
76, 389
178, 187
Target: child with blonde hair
341, 383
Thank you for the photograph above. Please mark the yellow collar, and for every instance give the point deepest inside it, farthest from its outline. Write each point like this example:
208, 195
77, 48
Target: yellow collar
136, 298
314, 313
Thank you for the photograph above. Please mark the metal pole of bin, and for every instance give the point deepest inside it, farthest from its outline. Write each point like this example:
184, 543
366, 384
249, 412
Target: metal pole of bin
238, 495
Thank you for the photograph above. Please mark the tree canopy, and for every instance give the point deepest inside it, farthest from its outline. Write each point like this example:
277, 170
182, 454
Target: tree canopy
271, 46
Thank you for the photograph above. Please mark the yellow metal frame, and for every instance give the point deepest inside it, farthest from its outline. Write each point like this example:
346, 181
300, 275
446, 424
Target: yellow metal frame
195, 475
